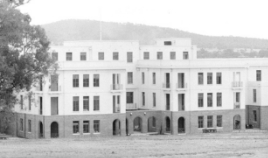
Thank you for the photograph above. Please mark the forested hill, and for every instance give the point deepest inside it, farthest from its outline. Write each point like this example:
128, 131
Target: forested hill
89, 30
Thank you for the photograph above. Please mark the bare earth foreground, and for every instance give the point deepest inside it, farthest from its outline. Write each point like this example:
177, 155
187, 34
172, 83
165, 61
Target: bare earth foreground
205, 145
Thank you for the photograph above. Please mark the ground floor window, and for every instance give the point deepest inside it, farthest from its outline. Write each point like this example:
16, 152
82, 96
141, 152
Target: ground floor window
75, 127
96, 126
210, 121
29, 126
200, 122
21, 124
86, 127
219, 121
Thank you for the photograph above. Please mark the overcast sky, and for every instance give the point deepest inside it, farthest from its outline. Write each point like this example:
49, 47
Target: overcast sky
246, 18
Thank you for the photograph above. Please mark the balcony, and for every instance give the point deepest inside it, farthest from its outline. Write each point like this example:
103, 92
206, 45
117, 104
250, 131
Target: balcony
117, 109
166, 86
181, 87
116, 87
236, 105
237, 85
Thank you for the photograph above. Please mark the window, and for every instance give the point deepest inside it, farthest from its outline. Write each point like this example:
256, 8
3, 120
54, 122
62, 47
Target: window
154, 99
75, 127
76, 103
219, 120
209, 78
21, 124
29, 126
55, 56
83, 56
200, 121
210, 121
254, 95
258, 73
30, 101
218, 78
101, 55
185, 55
85, 80
219, 100
130, 77
167, 43
21, 102
96, 103
200, 99
86, 103
146, 55
69, 56
237, 97
41, 105
172, 55
209, 99
129, 97
143, 77
154, 78
129, 57
96, 80
75, 80
255, 115
85, 126
115, 56
143, 98
41, 83
159, 55
200, 78
96, 126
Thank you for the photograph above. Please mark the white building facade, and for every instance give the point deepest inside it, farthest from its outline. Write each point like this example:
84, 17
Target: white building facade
104, 88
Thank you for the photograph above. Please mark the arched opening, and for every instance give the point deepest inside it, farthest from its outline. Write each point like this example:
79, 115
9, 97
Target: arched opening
137, 123
152, 124
41, 135
116, 127
127, 127
237, 122
54, 129
167, 124
181, 125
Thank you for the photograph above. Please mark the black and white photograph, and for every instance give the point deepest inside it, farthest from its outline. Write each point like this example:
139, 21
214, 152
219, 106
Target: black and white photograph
133, 79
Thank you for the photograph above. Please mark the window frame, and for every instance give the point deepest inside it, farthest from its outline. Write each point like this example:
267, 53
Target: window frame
96, 103
75, 103
75, 80
96, 126
83, 56
258, 75
129, 57
209, 78
130, 97
75, 127
96, 80
129, 77
200, 78
100, 55
200, 121
218, 78
115, 55
219, 120
69, 56
86, 127
200, 100
159, 55
210, 121
146, 55
209, 99
219, 99
172, 55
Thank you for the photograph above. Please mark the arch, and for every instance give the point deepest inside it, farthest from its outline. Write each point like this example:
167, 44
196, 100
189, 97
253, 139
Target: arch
152, 124
167, 124
54, 129
137, 124
41, 134
237, 122
116, 127
181, 125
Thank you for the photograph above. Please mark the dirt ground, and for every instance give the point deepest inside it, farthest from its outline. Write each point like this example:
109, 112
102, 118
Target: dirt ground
240, 145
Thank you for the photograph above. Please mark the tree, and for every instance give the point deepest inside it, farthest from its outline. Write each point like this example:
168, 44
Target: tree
23, 54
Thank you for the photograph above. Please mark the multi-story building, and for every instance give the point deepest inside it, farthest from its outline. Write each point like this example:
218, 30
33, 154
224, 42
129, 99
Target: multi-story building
120, 88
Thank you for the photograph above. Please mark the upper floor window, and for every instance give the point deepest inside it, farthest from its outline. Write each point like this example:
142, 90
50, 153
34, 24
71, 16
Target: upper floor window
115, 56
83, 56
159, 55
237, 97
200, 78
85, 80
129, 97
55, 56
130, 77
218, 78
86, 103
75, 80
258, 75
146, 55
101, 55
154, 99
69, 56
209, 78
185, 55
167, 43
143, 98
219, 99
254, 95
172, 55
96, 103
21, 102
76, 103
129, 57
154, 78
96, 80
209, 99
143, 77
30, 101
200, 99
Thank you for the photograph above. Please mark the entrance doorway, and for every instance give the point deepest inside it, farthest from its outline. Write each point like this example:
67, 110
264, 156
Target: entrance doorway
167, 124
54, 129
181, 125
41, 135
116, 127
152, 124
137, 123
